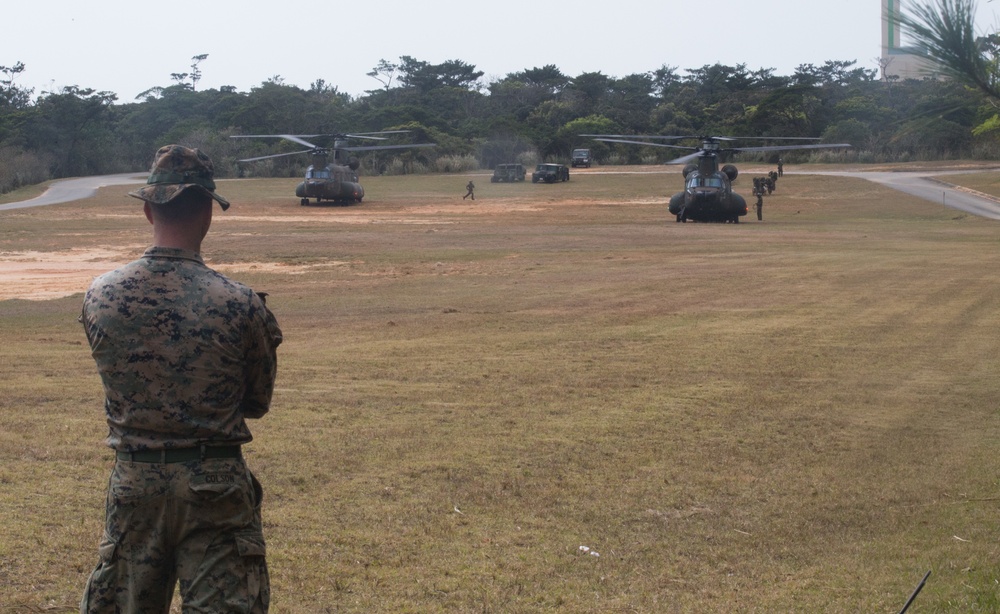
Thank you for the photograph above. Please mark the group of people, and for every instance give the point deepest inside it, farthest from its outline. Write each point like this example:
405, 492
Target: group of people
766, 185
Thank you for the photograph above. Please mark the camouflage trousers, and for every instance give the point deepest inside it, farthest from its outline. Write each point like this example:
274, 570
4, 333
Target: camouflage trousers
197, 523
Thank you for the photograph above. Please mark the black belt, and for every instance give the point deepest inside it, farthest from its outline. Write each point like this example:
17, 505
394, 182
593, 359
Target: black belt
180, 455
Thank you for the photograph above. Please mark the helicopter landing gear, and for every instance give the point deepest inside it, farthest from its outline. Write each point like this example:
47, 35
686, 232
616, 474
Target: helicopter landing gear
304, 202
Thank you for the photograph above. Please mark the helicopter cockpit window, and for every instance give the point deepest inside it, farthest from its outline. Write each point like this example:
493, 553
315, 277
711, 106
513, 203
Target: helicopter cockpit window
318, 174
705, 182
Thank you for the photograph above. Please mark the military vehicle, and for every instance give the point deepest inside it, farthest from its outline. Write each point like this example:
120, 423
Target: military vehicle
507, 173
581, 157
337, 181
708, 189
550, 173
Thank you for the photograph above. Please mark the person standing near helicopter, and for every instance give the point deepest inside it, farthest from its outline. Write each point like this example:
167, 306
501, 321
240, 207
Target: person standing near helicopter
186, 356
470, 190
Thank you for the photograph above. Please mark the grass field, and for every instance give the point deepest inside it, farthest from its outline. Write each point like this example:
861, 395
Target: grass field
794, 415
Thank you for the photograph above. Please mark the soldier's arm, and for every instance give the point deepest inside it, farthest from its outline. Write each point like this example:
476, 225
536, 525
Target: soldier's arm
261, 365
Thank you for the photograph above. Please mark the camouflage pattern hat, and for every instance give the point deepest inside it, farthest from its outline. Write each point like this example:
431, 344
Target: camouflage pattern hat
175, 169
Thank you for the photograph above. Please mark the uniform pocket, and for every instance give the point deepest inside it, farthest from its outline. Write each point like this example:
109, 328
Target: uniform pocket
218, 486
100, 593
250, 545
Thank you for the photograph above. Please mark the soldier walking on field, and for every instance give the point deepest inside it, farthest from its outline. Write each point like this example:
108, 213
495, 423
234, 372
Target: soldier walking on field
470, 191
186, 356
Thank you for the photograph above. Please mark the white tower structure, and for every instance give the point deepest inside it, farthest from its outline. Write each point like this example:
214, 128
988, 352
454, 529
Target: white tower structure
896, 62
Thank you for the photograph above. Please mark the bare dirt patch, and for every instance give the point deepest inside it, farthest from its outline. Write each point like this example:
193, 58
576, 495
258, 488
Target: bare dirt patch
37, 276
48, 275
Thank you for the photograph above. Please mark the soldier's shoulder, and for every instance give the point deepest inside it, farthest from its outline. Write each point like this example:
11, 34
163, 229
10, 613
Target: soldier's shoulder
224, 283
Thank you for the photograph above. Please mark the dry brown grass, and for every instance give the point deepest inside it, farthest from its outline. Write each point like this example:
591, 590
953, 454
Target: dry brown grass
794, 415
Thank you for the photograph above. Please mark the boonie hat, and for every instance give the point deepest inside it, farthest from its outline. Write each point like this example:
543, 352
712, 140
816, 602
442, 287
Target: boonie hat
177, 168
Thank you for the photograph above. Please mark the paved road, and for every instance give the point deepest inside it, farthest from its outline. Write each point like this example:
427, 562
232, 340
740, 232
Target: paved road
75, 189
929, 185
932, 186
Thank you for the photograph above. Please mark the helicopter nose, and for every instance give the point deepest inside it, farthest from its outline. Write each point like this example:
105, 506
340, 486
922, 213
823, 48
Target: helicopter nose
704, 195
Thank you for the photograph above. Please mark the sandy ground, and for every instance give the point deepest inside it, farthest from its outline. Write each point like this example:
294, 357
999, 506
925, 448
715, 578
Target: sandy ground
50, 275
40, 276
36, 276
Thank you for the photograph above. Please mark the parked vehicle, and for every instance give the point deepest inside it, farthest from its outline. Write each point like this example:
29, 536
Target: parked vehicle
581, 157
508, 172
550, 173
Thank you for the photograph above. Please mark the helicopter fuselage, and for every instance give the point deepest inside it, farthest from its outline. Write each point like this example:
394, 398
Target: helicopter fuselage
334, 183
708, 193
708, 198
334, 180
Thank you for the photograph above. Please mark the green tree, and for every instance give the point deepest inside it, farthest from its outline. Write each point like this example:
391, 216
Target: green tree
13, 96
69, 125
384, 72
944, 33
425, 77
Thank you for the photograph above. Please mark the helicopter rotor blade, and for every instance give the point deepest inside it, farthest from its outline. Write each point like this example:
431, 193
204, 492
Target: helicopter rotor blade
646, 143
354, 135
295, 138
327, 150
685, 159
379, 147
281, 155
375, 135
331, 135
598, 137
792, 147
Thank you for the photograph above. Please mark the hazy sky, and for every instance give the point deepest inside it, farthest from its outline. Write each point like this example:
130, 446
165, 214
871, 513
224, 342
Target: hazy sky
128, 47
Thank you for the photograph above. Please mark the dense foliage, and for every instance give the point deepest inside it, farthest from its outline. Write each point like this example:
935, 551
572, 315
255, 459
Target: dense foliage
532, 115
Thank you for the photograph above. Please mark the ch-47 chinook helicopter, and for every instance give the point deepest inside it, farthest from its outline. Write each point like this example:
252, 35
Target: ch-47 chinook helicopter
708, 189
335, 181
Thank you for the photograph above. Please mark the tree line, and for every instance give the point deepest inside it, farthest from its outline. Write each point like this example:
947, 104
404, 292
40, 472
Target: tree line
529, 116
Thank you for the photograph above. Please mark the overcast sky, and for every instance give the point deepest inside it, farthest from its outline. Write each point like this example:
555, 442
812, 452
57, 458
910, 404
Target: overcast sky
127, 47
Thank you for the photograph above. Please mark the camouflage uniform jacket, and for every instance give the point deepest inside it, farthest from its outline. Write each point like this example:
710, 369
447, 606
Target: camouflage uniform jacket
185, 354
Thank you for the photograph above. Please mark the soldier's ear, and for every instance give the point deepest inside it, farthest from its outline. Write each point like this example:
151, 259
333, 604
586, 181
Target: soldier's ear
148, 211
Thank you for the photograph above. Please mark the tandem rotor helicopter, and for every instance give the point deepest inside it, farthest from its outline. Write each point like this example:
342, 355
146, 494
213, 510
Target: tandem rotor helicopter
335, 181
708, 189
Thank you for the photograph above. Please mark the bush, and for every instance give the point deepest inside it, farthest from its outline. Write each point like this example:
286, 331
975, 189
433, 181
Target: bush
456, 164
527, 159
20, 168
398, 166
614, 159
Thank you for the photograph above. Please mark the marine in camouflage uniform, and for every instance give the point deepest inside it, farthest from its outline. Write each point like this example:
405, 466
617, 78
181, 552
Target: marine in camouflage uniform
186, 355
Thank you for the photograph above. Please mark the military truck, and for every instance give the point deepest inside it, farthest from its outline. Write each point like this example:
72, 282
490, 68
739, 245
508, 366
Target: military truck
508, 172
581, 157
550, 173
